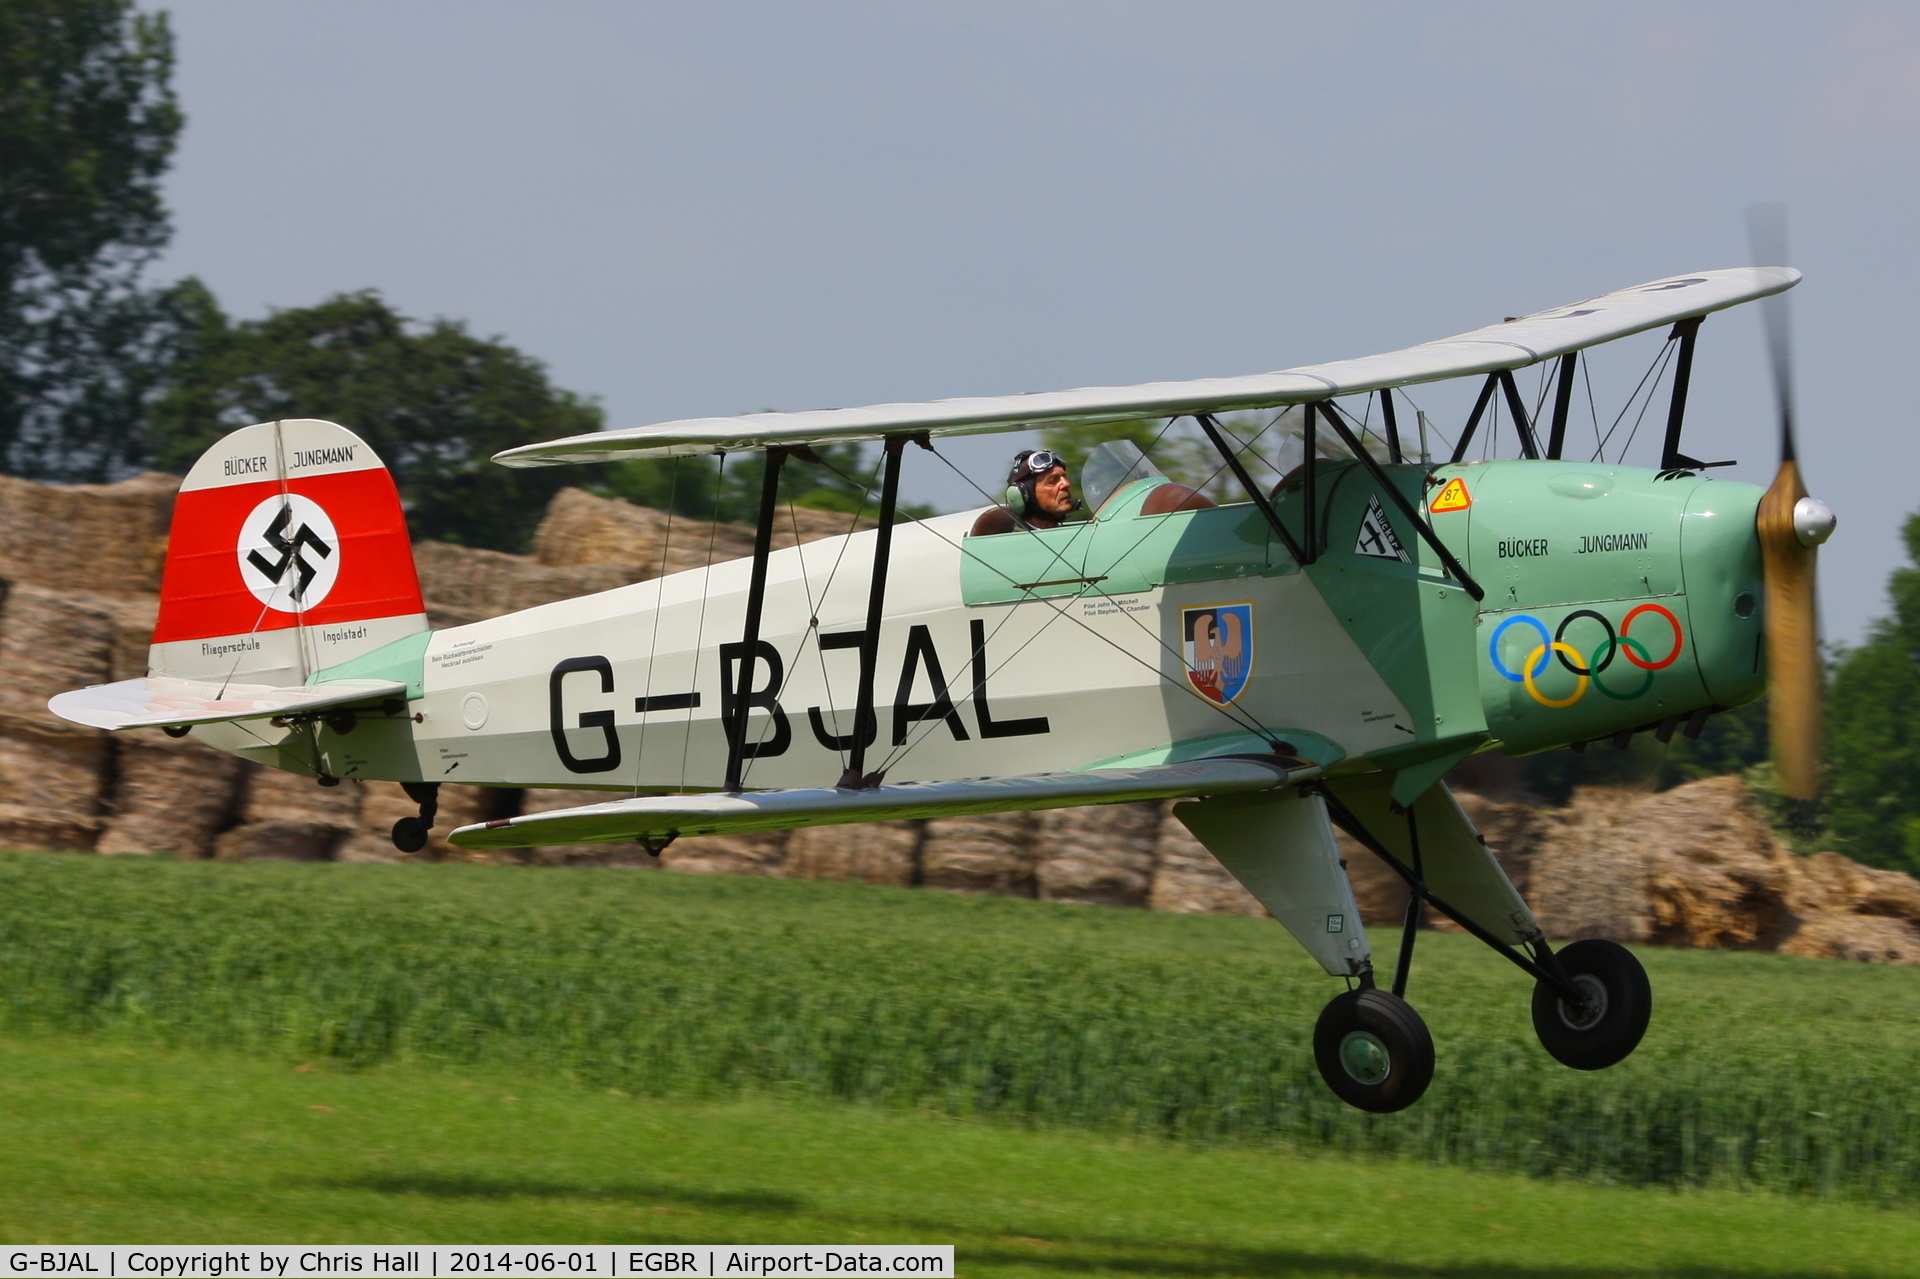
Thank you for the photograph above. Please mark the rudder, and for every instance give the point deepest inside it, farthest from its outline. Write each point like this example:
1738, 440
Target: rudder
289, 554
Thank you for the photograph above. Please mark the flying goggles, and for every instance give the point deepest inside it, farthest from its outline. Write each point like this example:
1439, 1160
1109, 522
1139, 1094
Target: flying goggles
1032, 465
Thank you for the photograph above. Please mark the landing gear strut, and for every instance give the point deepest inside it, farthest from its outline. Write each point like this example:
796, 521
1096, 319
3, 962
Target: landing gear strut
410, 833
1372, 1048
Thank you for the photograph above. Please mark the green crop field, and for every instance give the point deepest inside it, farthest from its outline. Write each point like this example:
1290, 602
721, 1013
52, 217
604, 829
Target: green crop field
115, 1142
1759, 1072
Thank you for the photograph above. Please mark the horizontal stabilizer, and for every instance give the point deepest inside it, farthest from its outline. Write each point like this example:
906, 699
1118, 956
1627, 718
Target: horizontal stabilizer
659, 817
165, 702
1514, 344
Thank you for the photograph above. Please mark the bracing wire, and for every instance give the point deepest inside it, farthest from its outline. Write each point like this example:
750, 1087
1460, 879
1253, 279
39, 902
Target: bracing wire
1232, 714
1445, 440
1060, 610
791, 667
1655, 369
1646, 403
1540, 396
700, 628
867, 494
659, 607
1593, 409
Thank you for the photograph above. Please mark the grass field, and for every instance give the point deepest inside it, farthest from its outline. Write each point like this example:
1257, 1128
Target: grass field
1759, 1071
136, 1144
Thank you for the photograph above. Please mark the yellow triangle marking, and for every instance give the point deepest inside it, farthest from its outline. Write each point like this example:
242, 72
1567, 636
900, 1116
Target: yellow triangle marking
1452, 498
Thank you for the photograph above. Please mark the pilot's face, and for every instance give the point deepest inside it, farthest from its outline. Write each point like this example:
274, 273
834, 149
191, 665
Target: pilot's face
1053, 493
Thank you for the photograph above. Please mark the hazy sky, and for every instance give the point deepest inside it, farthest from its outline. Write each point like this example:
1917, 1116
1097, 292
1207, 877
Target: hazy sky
714, 208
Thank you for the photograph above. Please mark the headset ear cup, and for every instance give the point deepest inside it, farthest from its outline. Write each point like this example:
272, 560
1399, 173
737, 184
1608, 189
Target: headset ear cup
1016, 500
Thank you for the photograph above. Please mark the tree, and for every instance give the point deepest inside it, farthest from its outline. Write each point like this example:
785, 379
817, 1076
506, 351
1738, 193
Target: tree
433, 400
88, 123
846, 479
1732, 742
1873, 732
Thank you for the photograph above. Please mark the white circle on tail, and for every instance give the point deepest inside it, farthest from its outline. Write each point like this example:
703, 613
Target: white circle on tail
289, 553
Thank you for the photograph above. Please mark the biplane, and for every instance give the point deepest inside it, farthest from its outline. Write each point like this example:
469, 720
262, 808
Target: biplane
1315, 652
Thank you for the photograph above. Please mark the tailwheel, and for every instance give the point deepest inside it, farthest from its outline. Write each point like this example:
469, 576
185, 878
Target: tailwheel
1373, 1050
1608, 1022
410, 834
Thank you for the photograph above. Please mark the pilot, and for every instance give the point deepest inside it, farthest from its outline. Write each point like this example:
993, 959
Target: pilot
1039, 495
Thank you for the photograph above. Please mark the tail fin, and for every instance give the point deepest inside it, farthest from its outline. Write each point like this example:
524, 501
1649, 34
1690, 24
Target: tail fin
289, 554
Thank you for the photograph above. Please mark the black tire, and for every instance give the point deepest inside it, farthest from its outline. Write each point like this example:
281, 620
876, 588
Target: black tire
410, 834
1373, 1050
1610, 1027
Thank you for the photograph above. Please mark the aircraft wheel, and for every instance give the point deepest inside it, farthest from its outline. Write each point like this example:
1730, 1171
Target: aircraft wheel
1609, 1024
410, 834
1373, 1050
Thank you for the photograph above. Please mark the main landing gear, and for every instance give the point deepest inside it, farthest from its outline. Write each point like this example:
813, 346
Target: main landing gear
1373, 1050
410, 834
1606, 1022
1591, 1001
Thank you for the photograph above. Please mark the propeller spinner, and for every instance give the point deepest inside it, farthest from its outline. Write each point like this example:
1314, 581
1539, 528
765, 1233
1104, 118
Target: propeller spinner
1791, 526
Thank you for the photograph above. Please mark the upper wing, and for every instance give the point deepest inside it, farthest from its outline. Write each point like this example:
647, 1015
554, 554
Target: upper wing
1511, 345
163, 702
669, 816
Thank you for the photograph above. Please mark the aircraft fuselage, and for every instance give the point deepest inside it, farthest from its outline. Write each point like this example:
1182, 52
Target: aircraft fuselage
1615, 598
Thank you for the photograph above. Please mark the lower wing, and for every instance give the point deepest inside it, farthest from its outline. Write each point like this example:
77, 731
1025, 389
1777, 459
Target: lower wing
663, 817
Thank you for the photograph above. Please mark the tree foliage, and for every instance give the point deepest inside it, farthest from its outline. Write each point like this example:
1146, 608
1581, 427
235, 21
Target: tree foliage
1732, 742
88, 122
433, 400
1873, 757
846, 479
1176, 448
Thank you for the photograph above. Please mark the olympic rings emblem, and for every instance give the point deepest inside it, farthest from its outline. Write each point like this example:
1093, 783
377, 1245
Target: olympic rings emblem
1553, 646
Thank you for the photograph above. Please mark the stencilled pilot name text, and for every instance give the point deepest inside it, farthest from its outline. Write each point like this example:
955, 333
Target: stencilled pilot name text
1613, 542
246, 465
247, 645
1520, 549
304, 458
1108, 605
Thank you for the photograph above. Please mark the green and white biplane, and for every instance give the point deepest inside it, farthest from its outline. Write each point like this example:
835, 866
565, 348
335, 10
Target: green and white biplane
1315, 654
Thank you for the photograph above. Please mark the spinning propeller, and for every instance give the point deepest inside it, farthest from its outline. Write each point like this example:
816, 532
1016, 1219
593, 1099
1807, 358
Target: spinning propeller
1791, 526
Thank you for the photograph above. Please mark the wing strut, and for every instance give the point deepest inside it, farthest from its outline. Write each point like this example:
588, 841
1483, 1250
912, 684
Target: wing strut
866, 724
1392, 490
1473, 419
1393, 427
1671, 458
750, 634
1522, 427
1562, 401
